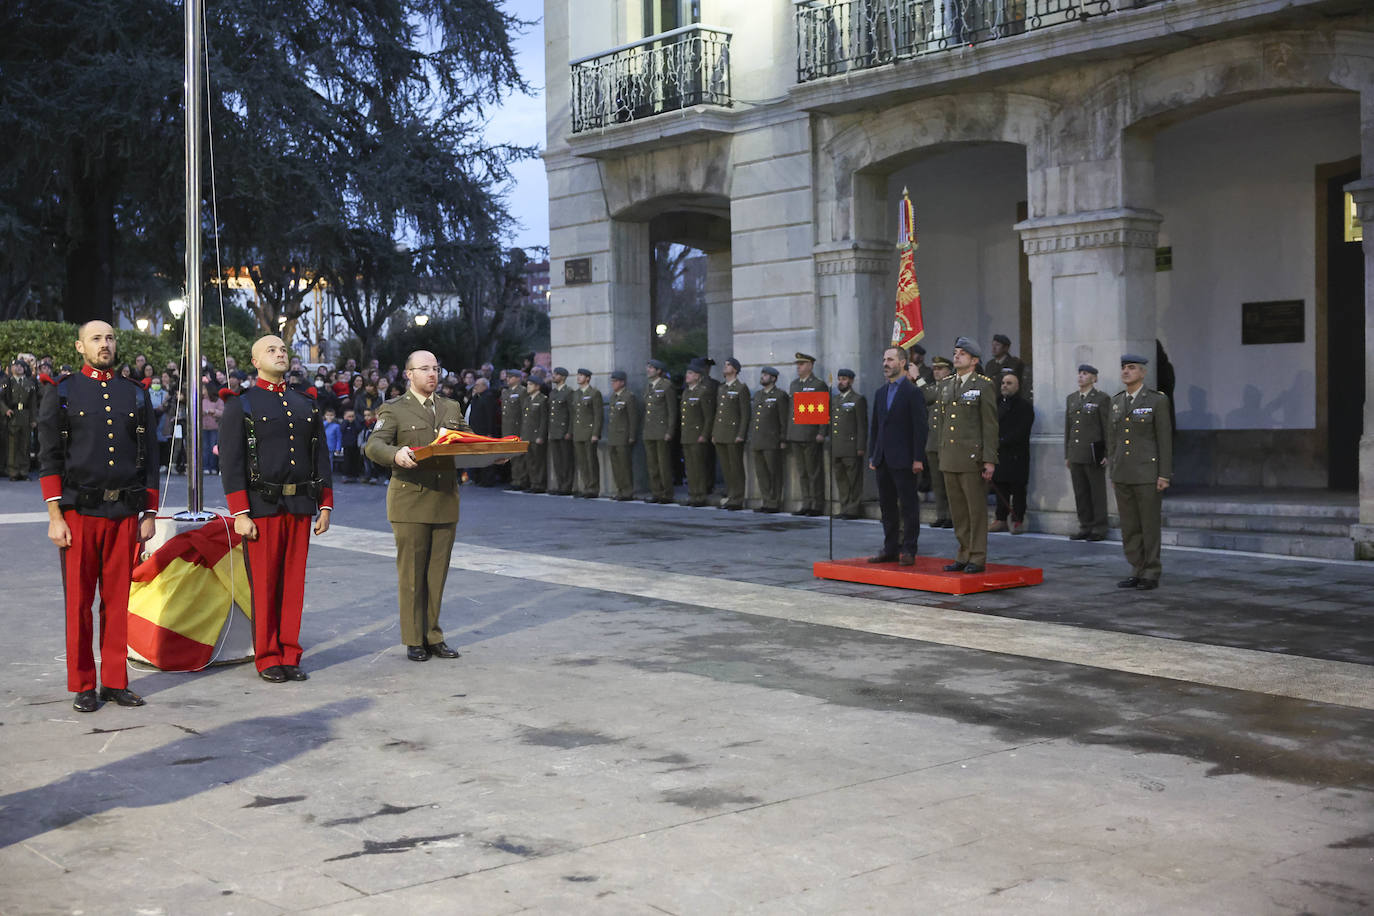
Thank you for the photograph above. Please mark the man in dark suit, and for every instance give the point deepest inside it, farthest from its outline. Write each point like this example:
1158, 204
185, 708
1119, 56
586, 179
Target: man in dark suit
897, 449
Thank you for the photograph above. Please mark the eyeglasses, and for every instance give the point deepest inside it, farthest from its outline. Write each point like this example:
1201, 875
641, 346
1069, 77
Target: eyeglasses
424, 368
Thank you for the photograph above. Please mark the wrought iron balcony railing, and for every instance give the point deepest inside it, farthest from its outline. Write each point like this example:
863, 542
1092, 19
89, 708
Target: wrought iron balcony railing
837, 36
666, 72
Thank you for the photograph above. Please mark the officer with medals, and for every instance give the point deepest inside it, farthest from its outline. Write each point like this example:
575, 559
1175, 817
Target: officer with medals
808, 442
512, 413
848, 439
623, 432
19, 401
968, 454
534, 429
940, 370
276, 470
98, 470
588, 417
1140, 458
660, 425
698, 408
1086, 414
768, 437
560, 434
729, 432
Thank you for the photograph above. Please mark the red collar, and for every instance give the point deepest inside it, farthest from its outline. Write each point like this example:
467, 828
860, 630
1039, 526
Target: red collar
97, 374
268, 386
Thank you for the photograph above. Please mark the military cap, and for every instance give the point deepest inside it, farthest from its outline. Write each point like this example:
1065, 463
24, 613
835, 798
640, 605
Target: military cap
769, 370
1008, 371
1133, 358
942, 361
917, 348
532, 379
805, 357
1084, 367
1002, 339
845, 373
733, 363
969, 347
517, 373
559, 370
658, 364
698, 365
587, 372
618, 375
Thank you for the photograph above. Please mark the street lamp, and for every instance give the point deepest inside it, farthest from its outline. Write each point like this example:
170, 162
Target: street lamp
178, 307
142, 324
421, 319
661, 330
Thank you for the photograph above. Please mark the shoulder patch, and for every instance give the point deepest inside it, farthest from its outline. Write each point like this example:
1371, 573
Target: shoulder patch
378, 425
46, 379
311, 392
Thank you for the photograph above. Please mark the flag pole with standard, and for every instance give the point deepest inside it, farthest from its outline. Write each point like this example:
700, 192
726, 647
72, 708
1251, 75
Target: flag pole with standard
909, 326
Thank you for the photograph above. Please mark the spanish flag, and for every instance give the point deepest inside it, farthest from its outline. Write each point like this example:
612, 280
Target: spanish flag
182, 596
909, 326
810, 407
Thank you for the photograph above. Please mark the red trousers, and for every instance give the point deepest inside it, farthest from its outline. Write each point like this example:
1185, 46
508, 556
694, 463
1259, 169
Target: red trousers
276, 570
102, 550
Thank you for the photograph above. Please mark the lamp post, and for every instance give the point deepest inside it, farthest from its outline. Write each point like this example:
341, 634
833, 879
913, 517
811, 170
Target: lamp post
421, 320
142, 324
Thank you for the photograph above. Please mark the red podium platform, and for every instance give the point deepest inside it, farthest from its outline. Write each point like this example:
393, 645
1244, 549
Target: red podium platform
928, 575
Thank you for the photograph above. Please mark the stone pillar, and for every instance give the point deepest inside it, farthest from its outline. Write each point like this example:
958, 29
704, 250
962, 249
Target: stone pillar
856, 284
720, 310
1363, 193
1092, 298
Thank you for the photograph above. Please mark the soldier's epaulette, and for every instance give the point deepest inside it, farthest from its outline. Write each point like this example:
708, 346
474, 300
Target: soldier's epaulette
311, 393
46, 379
227, 393
146, 382
986, 378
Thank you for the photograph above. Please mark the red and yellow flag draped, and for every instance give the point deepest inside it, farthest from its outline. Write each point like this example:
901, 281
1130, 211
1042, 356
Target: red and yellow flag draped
182, 595
909, 327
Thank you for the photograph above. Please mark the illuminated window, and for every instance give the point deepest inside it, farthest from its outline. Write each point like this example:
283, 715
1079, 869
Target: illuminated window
1354, 229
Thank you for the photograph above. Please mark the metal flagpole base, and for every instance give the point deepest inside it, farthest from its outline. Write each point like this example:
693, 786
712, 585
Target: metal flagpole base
186, 515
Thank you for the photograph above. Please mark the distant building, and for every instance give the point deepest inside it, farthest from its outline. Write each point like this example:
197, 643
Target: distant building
537, 284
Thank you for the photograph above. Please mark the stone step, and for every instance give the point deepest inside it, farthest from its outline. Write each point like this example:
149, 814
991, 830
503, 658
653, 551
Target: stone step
1349, 512
1322, 526
1292, 545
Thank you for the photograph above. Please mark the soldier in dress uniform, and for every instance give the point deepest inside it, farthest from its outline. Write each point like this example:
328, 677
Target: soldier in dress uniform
808, 442
421, 502
941, 369
848, 439
19, 399
768, 437
588, 409
512, 414
534, 429
622, 434
968, 454
1002, 360
98, 469
560, 434
729, 432
1086, 414
1141, 461
916, 369
276, 469
698, 412
660, 425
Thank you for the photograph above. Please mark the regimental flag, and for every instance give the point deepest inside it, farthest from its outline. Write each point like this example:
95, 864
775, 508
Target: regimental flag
909, 327
810, 408
181, 596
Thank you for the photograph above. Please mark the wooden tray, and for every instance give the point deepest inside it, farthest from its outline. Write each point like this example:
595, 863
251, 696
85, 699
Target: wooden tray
472, 454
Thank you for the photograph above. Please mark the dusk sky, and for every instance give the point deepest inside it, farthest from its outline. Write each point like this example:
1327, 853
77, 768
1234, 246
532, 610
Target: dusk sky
521, 120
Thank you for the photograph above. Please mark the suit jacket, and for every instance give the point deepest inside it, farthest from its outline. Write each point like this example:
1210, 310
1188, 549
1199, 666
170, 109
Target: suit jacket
1015, 417
1140, 438
897, 437
426, 493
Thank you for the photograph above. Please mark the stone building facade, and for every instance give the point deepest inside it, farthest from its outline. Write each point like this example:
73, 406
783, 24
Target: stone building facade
1088, 179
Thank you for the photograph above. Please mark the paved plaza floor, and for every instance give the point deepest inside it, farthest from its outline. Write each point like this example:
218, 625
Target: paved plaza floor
659, 710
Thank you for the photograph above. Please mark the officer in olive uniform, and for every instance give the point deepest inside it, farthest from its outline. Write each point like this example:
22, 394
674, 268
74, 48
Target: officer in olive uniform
534, 429
1086, 414
1002, 360
848, 439
698, 416
588, 410
660, 425
968, 454
512, 414
97, 450
1140, 458
623, 431
560, 434
19, 401
276, 468
941, 369
421, 502
808, 442
730, 431
768, 437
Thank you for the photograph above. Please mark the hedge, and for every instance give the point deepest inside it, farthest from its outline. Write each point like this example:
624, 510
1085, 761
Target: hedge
57, 339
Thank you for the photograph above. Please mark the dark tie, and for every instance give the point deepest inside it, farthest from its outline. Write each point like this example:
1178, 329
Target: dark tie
433, 417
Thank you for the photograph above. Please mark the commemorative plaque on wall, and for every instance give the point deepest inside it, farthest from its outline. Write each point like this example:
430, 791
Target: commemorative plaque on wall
1280, 321
577, 271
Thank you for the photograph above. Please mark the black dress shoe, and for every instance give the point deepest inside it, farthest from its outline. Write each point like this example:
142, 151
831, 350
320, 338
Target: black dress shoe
1080, 536
883, 558
121, 695
275, 674
767, 510
907, 559
973, 568
417, 653
942, 523
442, 650
955, 567
1132, 582
294, 673
1095, 537
1146, 584
86, 701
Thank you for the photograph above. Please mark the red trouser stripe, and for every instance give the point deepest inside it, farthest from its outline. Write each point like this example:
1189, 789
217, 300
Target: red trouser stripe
276, 569
102, 551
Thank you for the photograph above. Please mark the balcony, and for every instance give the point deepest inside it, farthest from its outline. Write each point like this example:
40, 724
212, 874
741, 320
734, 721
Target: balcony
670, 71
840, 36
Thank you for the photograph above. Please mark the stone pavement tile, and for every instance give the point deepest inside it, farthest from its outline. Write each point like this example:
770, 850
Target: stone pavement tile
1310, 883
297, 888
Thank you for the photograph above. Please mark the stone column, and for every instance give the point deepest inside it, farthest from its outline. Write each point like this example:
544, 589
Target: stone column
720, 310
856, 284
1092, 298
1363, 532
